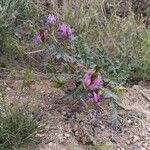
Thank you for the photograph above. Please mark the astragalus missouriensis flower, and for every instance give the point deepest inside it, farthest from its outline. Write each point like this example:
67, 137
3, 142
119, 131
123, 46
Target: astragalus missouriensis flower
91, 80
96, 97
65, 31
87, 79
50, 20
97, 82
37, 37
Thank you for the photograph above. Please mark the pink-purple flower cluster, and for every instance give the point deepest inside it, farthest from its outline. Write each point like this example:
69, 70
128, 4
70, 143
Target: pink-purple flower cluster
51, 20
91, 82
37, 37
64, 30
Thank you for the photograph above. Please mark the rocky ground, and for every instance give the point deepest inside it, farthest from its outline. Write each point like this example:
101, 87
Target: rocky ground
68, 126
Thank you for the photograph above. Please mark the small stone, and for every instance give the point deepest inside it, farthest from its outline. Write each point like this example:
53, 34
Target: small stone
43, 91
130, 122
139, 144
8, 88
40, 135
102, 127
136, 138
47, 127
135, 123
147, 138
60, 136
128, 142
67, 135
50, 144
143, 148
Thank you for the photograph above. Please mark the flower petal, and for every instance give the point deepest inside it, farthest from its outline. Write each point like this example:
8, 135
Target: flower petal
37, 37
96, 83
96, 97
87, 77
51, 20
65, 31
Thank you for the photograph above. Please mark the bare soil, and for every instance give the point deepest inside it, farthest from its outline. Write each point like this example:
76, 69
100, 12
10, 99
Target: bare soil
67, 125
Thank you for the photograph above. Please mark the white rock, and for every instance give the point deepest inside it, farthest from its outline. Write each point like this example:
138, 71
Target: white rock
148, 130
40, 135
128, 142
130, 121
43, 91
67, 135
50, 144
102, 127
136, 138
8, 89
147, 138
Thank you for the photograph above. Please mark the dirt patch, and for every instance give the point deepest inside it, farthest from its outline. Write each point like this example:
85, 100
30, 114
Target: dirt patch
68, 126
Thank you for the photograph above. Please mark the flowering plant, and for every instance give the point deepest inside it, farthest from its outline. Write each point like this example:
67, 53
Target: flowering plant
89, 84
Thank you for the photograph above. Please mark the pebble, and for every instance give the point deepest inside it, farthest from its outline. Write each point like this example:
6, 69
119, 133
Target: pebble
8, 88
40, 135
61, 136
43, 91
67, 135
136, 138
128, 142
102, 127
130, 122
147, 138
51, 144
148, 130
143, 148
47, 127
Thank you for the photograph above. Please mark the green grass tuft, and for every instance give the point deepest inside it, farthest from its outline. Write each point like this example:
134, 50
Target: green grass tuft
17, 126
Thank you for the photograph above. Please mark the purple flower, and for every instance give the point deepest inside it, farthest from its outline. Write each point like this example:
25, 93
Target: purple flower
96, 97
87, 78
51, 20
37, 37
96, 83
65, 31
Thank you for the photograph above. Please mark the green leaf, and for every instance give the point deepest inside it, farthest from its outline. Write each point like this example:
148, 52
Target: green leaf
109, 94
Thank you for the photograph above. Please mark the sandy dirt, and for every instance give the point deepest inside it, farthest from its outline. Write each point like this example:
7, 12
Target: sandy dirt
68, 126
